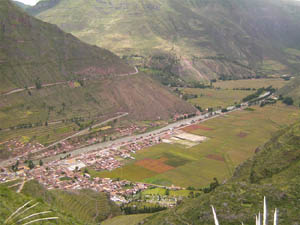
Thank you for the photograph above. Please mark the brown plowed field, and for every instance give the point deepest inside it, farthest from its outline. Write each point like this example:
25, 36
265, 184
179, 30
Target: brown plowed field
216, 157
156, 165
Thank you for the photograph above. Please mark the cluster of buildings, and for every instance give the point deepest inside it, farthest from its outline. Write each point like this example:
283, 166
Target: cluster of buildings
72, 172
68, 176
17, 147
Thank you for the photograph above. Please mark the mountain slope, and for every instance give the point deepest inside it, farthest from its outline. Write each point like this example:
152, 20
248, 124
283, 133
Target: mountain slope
205, 39
71, 207
84, 205
48, 75
11, 201
31, 50
272, 172
20, 4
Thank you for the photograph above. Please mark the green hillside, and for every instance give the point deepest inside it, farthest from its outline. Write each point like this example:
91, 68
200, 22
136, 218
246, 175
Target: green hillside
48, 76
11, 201
273, 172
84, 205
76, 207
197, 39
32, 50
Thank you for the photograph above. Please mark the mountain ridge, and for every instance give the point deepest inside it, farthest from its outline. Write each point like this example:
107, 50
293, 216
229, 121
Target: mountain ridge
229, 38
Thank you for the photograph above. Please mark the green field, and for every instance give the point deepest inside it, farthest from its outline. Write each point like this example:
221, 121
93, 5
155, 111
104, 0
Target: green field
215, 98
226, 93
162, 191
233, 139
251, 83
129, 172
126, 220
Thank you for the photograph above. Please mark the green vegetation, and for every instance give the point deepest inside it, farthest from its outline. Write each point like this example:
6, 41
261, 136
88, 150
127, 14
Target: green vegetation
171, 193
273, 172
288, 101
292, 90
251, 84
129, 172
23, 65
83, 205
141, 207
215, 98
196, 40
11, 201
32, 57
126, 220
255, 96
232, 139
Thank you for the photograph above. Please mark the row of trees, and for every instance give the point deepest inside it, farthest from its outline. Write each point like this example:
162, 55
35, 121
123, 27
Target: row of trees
145, 209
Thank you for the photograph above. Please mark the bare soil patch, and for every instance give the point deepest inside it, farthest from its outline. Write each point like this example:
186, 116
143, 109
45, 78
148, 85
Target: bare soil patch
216, 157
242, 135
156, 165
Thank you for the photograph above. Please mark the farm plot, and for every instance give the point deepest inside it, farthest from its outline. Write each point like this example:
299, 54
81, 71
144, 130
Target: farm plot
215, 98
156, 165
251, 83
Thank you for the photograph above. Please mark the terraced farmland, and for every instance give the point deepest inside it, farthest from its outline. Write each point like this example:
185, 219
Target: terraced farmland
85, 205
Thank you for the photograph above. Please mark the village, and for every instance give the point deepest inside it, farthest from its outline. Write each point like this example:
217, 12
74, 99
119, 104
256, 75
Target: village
71, 172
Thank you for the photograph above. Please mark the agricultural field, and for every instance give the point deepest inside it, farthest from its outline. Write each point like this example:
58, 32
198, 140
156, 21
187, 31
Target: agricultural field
232, 139
227, 93
215, 98
251, 83
162, 191
126, 219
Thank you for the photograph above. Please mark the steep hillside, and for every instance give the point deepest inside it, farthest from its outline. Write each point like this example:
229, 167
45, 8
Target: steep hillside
196, 39
11, 201
273, 172
47, 75
32, 50
71, 207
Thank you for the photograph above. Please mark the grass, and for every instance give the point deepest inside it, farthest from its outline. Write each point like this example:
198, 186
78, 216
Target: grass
11, 201
85, 205
190, 30
162, 191
129, 172
272, 65
273, 172
250, 83
126, 220
44, 135
233, 137
215, 98
91, 102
